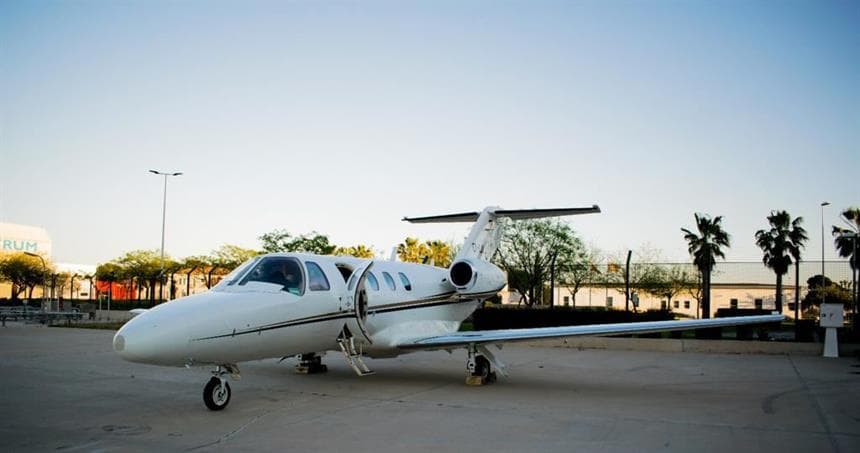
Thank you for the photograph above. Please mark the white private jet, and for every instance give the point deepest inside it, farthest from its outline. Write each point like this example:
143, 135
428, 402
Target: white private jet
293, 304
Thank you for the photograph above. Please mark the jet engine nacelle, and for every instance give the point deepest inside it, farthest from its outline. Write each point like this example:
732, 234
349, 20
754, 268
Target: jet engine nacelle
474, 276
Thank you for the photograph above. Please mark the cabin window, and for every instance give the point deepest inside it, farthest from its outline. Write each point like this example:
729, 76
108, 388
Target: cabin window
405, 281
317, 280
345, 272
389, 281
372, 281
277, 270
352, 281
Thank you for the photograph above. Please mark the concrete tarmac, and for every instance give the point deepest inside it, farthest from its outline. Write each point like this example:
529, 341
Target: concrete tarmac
64, 389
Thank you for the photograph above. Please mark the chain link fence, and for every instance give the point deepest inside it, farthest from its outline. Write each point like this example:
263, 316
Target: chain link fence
726, 273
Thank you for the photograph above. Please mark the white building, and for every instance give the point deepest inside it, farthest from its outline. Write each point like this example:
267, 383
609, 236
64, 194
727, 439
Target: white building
24, 238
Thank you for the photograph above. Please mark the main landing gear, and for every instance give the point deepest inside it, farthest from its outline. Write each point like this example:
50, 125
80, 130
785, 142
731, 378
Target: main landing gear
217, 392
479, 366
310, 363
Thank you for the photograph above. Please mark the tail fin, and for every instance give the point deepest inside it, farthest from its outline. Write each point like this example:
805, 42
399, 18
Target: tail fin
483, 239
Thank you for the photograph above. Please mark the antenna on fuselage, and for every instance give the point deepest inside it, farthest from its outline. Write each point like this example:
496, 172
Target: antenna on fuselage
393, 256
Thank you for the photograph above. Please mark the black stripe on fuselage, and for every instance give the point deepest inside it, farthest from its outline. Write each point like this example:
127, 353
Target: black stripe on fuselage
433, 301
295, 322
412, 303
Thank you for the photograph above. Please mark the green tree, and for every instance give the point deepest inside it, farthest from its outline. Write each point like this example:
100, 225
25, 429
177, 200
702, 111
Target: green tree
110, 273
223, 260
696, 291
145, 267
440, 253
191, 265
845, 237
781, 246
824, 288
280, 241
412, 250
358, 251
24, 272
644, 272
527, 249
275, 241
578, 268
230, 256
848, 247
59, 281
519, 281
669, 281
171, 268
705, 248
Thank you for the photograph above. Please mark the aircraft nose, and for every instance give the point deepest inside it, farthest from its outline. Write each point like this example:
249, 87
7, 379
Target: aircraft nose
147, 339
134, 342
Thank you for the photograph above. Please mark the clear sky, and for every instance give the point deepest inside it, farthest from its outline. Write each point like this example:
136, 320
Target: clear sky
342, 117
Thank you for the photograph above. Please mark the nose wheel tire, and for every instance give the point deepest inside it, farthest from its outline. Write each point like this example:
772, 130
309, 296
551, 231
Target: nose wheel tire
216, 394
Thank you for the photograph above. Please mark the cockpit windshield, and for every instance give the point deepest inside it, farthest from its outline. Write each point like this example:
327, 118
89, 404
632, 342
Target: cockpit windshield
278, 270
233, 277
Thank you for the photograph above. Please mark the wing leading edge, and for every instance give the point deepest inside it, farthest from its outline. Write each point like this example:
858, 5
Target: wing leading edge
511, 335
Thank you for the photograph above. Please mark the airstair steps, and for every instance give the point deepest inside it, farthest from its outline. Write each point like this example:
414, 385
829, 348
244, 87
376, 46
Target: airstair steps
347, 345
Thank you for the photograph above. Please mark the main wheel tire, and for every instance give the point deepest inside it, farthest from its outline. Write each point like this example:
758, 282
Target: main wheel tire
482, 367
215, 396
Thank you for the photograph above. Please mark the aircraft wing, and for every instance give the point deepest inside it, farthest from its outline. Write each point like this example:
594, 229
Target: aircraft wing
462, 339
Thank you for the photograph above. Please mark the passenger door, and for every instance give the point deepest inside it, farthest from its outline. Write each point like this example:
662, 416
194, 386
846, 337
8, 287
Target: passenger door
356, 301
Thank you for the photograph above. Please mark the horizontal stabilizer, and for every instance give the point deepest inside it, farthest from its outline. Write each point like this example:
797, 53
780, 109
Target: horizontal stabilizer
519, 214
447, 218
515, 214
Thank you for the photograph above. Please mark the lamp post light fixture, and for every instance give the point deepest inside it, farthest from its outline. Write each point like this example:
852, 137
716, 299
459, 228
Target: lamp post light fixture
44, 266
823, 204
163, 220
37, 256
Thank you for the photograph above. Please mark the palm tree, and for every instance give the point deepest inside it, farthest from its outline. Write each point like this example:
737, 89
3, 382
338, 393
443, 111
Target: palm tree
781, 244
844, 236
440, 253
705, 248
358, 251
847, 246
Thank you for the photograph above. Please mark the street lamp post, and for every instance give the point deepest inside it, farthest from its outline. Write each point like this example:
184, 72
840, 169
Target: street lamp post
72, 288
163, 224
44, 266
552, 281
823, 204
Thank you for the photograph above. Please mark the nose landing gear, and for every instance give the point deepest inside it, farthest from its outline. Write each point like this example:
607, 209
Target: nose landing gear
216, 394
